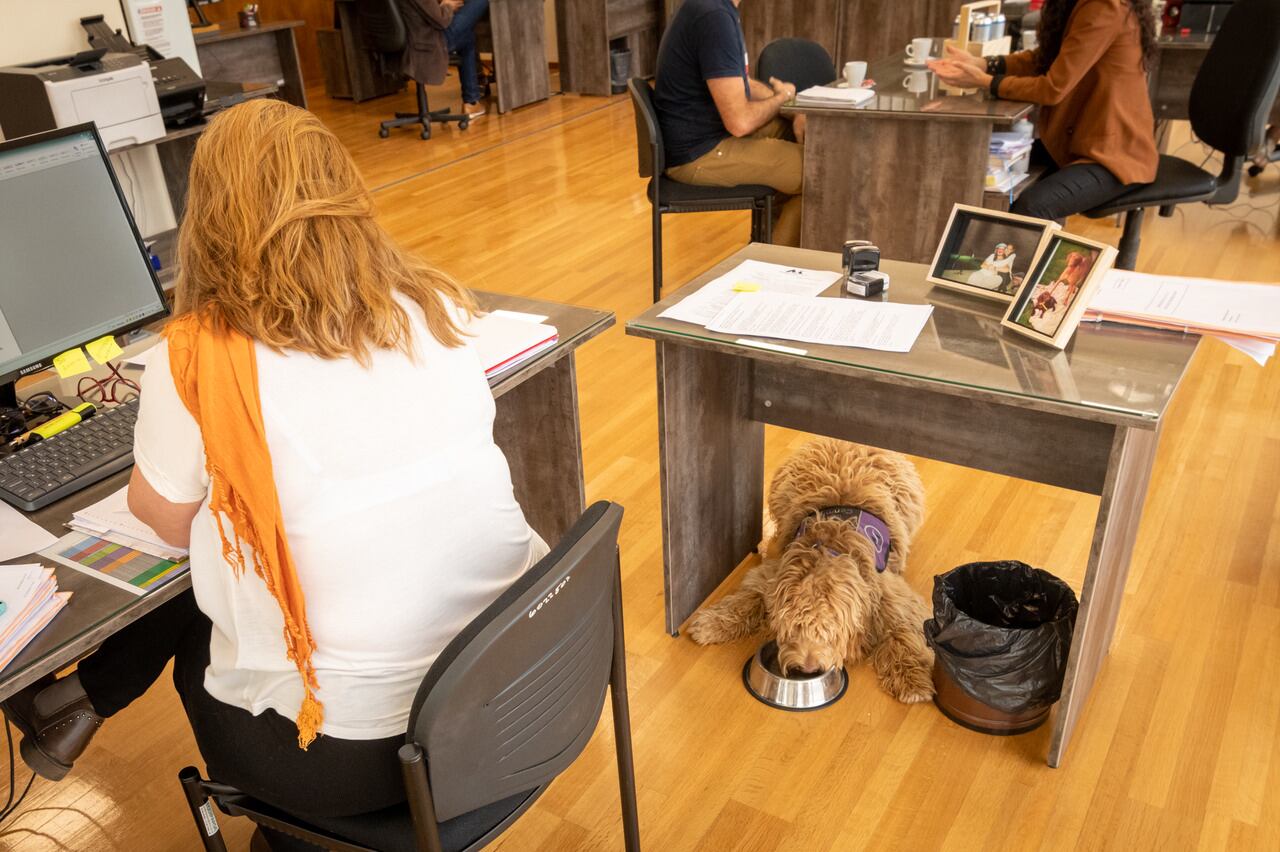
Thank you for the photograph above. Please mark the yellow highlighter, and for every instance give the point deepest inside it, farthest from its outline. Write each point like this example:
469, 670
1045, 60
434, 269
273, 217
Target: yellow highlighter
61, 423
746, 287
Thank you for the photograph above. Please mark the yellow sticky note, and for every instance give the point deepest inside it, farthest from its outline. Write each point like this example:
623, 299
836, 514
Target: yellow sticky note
104, 349
746, 286
71, 363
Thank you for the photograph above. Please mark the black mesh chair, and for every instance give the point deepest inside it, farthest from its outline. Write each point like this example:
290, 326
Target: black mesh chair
507, 706
672, 196
385, 35
1230, 98
797, 61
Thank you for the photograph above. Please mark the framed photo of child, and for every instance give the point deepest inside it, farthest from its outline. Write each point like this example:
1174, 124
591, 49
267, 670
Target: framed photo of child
1057, 289
988, 253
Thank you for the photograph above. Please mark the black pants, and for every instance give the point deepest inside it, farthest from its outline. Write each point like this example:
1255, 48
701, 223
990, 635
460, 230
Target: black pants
1060, 193
257, 754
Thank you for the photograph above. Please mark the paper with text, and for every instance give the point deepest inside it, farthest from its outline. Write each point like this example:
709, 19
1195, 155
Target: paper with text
1197, 304
703, 306
887, 326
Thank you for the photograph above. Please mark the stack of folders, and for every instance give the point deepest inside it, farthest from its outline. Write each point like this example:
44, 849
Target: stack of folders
1008, 161
31, 600
506, 339
834, 96
111, 519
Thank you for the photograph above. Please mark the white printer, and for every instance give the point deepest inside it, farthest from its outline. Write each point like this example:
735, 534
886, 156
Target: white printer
113, 90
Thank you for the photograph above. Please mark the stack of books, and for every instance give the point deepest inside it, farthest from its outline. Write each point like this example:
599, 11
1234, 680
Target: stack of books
1008, 160
31, 599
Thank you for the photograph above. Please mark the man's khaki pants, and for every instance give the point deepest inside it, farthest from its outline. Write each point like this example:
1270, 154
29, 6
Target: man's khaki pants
769, 157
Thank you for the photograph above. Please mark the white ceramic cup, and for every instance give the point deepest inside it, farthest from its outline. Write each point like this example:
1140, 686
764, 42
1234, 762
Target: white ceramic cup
855, 73
916, 82
919, 49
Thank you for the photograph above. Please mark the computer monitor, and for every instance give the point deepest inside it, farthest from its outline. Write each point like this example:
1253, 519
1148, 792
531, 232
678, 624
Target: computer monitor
73, 266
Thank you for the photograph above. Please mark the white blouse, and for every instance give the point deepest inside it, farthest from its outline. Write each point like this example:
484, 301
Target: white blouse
400, 514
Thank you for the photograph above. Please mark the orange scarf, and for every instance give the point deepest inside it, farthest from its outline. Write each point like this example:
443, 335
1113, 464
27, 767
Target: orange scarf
216, 374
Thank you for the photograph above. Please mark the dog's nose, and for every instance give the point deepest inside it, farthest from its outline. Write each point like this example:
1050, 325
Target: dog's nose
811, 665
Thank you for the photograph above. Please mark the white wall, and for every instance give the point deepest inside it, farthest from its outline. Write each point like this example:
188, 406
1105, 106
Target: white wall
37, 29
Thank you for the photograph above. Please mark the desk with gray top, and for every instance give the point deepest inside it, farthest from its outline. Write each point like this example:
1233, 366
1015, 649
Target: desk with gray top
536, 425
966, 394
890, 170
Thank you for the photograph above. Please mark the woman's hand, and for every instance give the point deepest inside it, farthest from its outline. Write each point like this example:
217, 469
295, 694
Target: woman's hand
957, 55
960, 74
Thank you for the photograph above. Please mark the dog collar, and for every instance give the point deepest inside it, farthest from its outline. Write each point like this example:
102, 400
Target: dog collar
872, 528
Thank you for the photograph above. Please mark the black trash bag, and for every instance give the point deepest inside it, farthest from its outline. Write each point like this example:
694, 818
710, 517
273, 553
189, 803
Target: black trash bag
1002, 630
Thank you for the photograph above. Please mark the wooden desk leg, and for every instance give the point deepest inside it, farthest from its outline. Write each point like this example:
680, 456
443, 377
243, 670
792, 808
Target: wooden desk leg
712, 472
294, 90
519, 52
537, 427
1119, 513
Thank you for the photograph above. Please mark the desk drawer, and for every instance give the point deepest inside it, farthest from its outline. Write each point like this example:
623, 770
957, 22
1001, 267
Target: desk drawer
627, 16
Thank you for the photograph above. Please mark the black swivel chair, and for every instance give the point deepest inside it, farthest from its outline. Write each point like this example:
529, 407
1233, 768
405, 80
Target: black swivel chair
1230, 98
507, 706
385, 35
798, 61
672, 196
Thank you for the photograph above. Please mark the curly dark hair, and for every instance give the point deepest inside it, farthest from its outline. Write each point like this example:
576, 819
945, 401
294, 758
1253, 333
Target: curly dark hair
1053, 27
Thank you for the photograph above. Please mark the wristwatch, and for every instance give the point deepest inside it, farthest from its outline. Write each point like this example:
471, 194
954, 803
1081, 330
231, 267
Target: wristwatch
995, 65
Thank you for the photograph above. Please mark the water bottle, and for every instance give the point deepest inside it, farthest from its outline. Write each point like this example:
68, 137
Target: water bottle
998, 25
984, 29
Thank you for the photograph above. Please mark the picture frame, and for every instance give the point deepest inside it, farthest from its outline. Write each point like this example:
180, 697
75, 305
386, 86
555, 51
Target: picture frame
1056, 291
988, 253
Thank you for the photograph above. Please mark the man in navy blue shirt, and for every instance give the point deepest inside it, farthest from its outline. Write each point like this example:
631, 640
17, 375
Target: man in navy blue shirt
720, 127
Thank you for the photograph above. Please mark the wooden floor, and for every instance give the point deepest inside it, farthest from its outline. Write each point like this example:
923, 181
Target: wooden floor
1180, 746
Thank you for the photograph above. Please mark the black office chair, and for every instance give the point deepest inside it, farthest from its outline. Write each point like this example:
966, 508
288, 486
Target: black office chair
507, 706
386, 36
798, 61
1230, 99
672, 196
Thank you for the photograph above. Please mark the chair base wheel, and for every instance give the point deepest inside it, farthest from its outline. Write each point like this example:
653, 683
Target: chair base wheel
425, 134
384, 132
464, 124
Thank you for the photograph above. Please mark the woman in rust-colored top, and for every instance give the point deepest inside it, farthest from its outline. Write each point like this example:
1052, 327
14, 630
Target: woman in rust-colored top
1088, 75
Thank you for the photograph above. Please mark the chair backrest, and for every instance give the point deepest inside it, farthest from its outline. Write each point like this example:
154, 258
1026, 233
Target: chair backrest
382, 25
514, 698
648, 133
1237, 84
798, 61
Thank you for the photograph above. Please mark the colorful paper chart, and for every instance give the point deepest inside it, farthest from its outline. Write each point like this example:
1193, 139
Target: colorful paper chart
132, 570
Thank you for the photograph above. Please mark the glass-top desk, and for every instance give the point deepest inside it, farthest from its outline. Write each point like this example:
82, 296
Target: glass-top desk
536, 425
890, 170
966, 394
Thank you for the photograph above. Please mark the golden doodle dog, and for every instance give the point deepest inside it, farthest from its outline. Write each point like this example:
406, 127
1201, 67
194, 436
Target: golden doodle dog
829, 587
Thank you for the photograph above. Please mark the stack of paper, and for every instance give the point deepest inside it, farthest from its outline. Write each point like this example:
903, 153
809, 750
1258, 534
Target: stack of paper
1009, 160
111, 519
887, 326
31, 600
750, 276
834, 96
20, 536
1244, 315
506, 339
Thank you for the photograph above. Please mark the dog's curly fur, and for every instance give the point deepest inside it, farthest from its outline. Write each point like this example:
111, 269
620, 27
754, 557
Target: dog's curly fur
822, 608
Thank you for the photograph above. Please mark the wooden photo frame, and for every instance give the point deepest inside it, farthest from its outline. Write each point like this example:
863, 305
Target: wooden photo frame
1057, 290
969, 257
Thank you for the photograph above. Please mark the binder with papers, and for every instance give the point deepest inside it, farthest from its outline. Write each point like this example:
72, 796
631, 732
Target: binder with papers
834, 96
506, 339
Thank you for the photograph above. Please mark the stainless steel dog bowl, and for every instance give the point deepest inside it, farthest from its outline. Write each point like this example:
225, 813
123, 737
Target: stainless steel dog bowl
766, 682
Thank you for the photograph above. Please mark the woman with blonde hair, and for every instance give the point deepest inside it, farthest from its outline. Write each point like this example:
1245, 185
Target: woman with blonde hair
318, 430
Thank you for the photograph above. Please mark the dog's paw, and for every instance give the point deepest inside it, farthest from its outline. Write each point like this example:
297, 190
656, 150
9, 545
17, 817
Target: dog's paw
915, 694
910, 684
707, 628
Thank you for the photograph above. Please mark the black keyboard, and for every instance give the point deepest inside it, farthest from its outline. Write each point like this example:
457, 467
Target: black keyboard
92, 450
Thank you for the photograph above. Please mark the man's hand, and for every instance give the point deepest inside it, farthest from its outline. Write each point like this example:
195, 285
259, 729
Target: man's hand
786, 90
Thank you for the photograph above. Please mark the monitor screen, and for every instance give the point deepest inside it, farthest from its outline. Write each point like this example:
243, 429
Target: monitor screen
72, 265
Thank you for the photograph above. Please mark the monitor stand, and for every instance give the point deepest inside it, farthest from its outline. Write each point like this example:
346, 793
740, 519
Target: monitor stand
8, 395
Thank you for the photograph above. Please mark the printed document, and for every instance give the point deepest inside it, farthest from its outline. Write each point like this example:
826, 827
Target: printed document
887, 326
755, 276
19, 536
1197, 304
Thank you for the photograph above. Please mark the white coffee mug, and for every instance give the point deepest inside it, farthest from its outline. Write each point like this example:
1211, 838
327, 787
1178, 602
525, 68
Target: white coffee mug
919, 49
916, 82
855, 73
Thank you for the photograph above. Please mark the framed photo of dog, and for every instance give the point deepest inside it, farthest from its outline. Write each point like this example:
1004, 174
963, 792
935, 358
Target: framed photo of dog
987, 253
1057, 290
